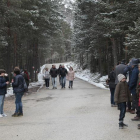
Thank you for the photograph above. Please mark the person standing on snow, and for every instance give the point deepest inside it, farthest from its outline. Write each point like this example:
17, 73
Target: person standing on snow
71, 77
63, 73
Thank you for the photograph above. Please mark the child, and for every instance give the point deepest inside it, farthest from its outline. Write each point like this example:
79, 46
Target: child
138, 94
47, 78
71, 77
3, 91
122, 95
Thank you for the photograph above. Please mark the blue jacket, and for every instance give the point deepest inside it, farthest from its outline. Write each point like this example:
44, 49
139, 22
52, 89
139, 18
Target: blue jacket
3, 85
18, 84
134, 80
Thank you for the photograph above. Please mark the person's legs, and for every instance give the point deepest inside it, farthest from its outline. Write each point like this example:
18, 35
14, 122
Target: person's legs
137, 107
1, 103
55, 80
64, 81
69, 84
122, 114
20, 104
134, 100
129, 105
46, 82
112, 90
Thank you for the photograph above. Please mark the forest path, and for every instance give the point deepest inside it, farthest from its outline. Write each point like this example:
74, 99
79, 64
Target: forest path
81, 113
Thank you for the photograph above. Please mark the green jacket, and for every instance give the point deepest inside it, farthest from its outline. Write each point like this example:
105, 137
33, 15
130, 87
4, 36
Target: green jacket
122, 93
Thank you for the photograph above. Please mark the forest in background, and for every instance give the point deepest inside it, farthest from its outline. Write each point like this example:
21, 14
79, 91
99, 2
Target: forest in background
95, 34
105, 32
32, 33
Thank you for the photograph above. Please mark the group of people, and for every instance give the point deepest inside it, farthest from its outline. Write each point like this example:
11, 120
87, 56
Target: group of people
124, 84
62, 73
20, 82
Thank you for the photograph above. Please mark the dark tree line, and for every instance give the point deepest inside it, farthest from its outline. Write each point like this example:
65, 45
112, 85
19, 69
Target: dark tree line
32, 33
106, 32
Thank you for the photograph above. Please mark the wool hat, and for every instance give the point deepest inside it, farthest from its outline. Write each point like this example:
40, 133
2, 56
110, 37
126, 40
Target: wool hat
134, 62
2, 71
120, 77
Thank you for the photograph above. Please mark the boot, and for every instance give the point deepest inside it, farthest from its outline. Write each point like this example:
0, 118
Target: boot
15, 115
120, 125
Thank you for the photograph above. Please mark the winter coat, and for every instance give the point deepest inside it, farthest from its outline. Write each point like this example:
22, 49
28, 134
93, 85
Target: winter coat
53, 72
3, 85
63, 72
47, 75
128, 70
18, 84
122, 93
134, 80
58, 71
71, 75
119, 70
111, 79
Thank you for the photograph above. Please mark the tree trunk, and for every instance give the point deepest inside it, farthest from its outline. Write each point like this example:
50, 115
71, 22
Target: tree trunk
114, 51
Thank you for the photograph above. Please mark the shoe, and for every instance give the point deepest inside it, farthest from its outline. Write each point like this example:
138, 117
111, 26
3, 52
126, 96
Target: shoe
125, 125
120, 125
1, 115
132, 112
55, 87
128, 110
69, 87
15, 115
20, 114
136, 118
4, 115
138, 126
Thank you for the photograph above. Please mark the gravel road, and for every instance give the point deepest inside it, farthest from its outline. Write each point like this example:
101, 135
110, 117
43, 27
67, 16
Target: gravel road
82, 113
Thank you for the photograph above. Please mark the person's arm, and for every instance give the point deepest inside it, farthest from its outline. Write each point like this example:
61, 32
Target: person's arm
133, 80
15, 82
2, 84
116, 95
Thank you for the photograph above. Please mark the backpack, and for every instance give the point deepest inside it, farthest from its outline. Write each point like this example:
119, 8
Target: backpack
25, 85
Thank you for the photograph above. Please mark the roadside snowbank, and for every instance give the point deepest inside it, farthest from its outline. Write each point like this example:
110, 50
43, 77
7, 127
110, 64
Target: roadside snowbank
92, 78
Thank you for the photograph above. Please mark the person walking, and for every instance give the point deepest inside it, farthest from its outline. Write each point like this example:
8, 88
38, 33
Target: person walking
71, 77
53, 73
18, 88
111, 82
133, 85
63, 73
60, 67
3, 90
122, 95
138, 95
47, 78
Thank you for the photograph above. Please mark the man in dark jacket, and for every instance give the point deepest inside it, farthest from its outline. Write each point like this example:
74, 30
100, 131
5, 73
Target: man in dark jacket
133, 85
3, 91
53, 73
119, 70
18, 88
60, 67
63, 73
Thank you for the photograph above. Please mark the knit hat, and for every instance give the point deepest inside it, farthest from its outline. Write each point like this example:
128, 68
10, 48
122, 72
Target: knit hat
120, 77
2, 71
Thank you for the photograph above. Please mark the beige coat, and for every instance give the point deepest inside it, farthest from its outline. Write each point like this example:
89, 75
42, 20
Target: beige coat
122, 93
71, 75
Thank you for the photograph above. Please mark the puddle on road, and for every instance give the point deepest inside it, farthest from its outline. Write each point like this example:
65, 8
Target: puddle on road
44, 99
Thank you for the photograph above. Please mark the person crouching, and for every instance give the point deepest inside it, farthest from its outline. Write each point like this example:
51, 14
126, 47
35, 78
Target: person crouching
122, 95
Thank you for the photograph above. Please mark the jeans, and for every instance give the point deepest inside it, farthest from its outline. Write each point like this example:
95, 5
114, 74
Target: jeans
134, 101
47, 82
70, 84
129, 105
112, 90
122, 107
2, 97
18, 102
60, 80
63, 81
54, 81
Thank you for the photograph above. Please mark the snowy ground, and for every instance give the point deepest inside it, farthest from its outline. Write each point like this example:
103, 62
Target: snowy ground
92, 78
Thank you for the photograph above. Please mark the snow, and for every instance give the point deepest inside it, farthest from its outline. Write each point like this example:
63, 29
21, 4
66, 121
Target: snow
92, 78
